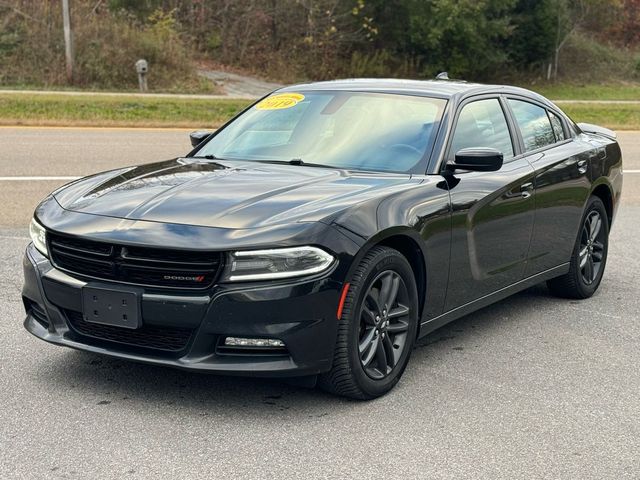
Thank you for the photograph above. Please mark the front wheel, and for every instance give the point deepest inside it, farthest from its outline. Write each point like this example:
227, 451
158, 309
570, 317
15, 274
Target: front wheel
589, 255
377, 329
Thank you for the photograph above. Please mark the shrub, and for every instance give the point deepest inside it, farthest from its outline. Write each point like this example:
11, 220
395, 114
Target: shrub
107, 45
584, 59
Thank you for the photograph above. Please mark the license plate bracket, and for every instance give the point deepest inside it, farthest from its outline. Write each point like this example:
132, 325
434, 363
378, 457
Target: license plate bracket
111, 306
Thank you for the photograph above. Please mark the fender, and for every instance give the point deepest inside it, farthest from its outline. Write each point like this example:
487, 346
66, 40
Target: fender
606, 173
421, 213
400, 234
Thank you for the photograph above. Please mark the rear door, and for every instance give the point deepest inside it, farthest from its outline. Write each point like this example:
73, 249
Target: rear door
492, 212
562, 186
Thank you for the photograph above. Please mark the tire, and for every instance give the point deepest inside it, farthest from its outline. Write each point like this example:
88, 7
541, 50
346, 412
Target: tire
374, 280
589, 256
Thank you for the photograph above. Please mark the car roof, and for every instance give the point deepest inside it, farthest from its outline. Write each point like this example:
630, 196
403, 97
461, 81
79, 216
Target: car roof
431, 88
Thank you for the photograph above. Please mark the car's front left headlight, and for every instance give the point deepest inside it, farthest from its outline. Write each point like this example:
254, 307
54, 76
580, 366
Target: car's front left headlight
276, 263
39, 236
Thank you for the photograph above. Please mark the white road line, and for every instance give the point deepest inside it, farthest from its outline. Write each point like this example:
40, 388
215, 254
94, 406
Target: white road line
35, 179
631, 171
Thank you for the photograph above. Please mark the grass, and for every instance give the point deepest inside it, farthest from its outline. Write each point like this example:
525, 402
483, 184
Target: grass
125, 111
128, 111
623, 91
190, 85
615, 117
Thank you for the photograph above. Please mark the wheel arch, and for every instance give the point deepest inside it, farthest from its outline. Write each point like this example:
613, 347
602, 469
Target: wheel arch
605, 193
408, 242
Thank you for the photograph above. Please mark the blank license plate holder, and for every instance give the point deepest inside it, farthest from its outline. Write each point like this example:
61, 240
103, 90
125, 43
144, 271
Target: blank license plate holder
111, 306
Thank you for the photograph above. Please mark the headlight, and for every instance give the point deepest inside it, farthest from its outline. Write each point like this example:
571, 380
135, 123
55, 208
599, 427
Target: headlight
276, 263
39, 236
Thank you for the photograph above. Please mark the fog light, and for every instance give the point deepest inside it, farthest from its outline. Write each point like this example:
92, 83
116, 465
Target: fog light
253, 342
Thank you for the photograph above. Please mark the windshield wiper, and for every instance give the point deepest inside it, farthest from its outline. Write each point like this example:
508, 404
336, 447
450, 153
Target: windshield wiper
211, 157
298, 162
208, 157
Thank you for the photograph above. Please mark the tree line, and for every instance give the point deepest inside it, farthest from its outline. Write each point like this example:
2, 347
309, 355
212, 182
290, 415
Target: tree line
288, 40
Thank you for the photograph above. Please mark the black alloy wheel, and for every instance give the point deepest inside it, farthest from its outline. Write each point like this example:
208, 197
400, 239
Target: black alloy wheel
591, 247
377, 328
589, 255
384, 322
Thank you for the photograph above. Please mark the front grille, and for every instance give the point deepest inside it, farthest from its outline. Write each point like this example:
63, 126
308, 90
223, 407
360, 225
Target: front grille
138, 265
167, 339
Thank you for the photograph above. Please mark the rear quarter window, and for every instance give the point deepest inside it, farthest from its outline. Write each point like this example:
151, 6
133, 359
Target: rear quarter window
534, 124
556, 124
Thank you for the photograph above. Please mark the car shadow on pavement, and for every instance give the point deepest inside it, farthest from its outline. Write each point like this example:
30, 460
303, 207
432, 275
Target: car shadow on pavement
111, 381
491, 320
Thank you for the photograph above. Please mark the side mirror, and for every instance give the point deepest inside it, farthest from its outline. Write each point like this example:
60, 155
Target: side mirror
198, 136
478, 159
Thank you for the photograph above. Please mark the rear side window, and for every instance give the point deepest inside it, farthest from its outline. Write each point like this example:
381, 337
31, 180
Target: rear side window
534, 124
556, 123
482, 124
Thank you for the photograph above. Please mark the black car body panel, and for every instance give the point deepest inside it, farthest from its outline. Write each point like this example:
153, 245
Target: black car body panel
225, 194
471, 237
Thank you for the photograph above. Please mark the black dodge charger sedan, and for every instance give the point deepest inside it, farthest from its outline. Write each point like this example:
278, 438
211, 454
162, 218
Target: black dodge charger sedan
324, 229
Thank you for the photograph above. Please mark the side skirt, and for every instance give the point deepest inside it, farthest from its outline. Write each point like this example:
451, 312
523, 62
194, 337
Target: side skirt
430, 325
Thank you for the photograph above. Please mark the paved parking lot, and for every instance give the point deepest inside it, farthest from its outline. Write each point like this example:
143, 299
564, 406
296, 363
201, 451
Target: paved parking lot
532, 387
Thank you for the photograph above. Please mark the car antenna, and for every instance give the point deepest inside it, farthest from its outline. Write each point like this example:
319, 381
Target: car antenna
442, 76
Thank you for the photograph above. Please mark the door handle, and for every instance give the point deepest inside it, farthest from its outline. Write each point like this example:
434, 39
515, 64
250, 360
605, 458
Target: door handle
526, 189
582, 166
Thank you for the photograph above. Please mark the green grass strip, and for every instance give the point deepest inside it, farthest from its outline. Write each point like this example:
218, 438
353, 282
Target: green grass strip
26, 109
128, 111
614, 116
629, 91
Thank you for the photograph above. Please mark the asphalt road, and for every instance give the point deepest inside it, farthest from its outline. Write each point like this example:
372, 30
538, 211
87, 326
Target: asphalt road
532, 387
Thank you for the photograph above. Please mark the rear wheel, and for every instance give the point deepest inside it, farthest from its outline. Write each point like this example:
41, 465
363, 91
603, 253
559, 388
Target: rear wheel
589, 255
377, 329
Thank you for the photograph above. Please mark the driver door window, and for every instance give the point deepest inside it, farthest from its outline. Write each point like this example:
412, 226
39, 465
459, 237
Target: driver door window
492, 217
482, 124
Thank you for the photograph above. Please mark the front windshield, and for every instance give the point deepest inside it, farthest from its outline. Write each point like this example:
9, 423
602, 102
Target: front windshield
350, 130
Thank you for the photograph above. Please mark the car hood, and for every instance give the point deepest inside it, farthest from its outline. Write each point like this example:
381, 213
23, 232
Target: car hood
225, 194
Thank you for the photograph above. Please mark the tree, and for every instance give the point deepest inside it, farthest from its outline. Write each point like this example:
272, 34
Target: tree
465, 37
68, 40
532, 41
625, 29
572, 15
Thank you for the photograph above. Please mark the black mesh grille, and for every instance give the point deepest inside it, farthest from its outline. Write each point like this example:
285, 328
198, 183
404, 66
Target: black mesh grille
37, 312
138, 265
158, 338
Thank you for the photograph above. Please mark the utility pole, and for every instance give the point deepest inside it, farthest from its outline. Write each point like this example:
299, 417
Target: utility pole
68, 39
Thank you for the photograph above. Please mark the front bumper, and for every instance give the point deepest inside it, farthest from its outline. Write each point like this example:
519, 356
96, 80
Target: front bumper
301, 313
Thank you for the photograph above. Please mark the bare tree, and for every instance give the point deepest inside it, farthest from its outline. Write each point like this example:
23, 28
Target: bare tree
68, 39
571, 15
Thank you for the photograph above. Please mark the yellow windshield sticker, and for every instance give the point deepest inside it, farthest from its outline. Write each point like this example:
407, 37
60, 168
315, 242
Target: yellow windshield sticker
280, 101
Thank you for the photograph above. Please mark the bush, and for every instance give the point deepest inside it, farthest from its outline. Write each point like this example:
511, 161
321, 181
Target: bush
584, 59
107, 45
293, 40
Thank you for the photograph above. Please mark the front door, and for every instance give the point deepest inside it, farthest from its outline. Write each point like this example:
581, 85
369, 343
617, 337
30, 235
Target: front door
492, 212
